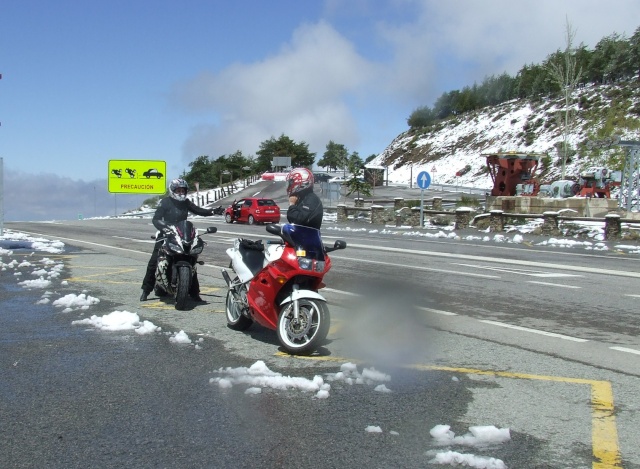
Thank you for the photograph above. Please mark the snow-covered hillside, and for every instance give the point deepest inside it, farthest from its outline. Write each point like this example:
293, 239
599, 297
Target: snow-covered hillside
521, 126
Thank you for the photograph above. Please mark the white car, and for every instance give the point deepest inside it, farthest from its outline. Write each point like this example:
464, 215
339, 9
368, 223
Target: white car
342, 180
337, 180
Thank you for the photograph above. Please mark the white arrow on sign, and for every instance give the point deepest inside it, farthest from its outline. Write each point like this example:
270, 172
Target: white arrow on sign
424, 180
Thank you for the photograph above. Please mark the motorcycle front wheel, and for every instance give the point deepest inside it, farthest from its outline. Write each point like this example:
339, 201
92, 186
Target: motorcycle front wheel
182, 290
305, 335
235, 319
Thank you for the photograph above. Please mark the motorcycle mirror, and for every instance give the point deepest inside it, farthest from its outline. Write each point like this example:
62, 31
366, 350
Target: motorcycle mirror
339, 244
211, 229
274, 228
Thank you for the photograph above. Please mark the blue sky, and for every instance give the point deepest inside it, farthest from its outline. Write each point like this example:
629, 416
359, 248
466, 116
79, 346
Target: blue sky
84, 82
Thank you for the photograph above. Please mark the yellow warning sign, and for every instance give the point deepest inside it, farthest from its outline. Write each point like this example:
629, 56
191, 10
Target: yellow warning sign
137, 176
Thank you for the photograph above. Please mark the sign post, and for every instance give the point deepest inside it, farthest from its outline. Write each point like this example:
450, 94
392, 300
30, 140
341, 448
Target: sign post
424, 180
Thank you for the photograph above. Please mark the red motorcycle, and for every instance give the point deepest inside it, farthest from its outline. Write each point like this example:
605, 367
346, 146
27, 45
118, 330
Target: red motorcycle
277, 287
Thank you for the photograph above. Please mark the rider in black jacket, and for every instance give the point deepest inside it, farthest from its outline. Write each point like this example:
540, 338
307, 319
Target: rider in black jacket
170, 211
305, 206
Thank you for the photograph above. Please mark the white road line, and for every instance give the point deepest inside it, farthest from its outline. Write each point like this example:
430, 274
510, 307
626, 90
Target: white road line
534, 331
532, 273
85, 242
341, 292
417, 267
438, 311
149, 241
549, 284
634, 296
624, 349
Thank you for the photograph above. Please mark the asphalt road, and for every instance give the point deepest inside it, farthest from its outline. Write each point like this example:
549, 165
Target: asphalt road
539, 340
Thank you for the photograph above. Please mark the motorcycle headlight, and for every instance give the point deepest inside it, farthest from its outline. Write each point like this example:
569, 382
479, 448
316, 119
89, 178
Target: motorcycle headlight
310, 264
175, 247
197, 249
305, 264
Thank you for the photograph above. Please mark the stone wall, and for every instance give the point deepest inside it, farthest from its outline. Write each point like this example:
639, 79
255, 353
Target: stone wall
583, 206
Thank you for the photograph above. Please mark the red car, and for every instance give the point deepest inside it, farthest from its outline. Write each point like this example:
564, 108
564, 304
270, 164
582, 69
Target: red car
252, 210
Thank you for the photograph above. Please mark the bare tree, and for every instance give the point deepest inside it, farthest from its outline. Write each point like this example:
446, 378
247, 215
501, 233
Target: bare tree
565, 74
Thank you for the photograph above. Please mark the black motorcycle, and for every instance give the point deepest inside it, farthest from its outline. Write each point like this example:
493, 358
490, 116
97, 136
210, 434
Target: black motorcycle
178, 260
219, 210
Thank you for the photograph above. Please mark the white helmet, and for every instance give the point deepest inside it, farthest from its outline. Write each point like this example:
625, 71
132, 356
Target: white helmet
178, 189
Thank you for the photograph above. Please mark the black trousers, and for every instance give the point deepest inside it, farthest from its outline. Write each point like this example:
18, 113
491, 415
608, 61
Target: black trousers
149, 280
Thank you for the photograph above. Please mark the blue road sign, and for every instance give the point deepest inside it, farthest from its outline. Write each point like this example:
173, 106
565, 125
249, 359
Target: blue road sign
424, 179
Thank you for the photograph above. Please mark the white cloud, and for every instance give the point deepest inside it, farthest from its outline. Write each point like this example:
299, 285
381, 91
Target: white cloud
300, 91
452, 44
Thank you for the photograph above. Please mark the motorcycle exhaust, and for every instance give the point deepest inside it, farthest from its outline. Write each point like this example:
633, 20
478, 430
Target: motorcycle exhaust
226, 278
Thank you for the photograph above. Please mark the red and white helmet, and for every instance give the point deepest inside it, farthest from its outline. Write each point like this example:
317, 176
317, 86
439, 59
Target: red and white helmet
298, 180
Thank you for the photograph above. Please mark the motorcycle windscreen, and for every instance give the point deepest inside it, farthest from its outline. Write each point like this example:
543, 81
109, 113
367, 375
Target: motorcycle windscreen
307, 238
186, 230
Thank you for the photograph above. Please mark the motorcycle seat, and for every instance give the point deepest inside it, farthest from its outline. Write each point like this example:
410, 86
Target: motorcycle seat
253, 259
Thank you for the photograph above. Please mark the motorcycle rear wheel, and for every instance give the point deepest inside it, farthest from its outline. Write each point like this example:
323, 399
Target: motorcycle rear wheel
311, 330
235, 319
182, 290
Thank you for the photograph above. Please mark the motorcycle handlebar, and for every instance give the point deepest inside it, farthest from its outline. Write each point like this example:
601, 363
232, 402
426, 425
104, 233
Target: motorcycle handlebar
159, 237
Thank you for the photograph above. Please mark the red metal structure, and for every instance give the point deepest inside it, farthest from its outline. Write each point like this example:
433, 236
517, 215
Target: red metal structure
597, 182
509, 169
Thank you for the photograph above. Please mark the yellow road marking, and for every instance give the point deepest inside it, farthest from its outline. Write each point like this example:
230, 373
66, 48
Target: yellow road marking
110, 271
157, 305
604, 433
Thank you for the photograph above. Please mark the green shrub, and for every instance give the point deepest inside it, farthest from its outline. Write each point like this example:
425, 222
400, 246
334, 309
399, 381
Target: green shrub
467, 201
